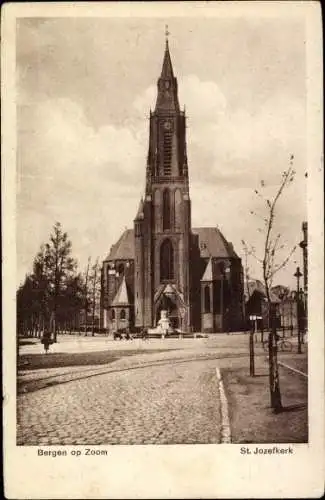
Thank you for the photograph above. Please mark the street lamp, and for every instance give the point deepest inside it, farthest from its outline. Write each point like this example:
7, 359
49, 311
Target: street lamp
225, 271
298, 275
304, 246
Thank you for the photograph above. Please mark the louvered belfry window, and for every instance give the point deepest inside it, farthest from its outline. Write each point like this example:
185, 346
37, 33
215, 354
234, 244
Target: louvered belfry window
167, 153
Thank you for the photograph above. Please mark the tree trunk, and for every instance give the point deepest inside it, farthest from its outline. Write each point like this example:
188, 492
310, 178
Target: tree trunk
275, 393
17, 352
54, 326
251, 354
93, 324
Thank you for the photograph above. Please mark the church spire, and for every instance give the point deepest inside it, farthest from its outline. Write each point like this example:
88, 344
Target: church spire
167, 67
167, 98
167, 157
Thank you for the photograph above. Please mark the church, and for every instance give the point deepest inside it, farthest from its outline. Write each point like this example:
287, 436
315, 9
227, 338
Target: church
163, 264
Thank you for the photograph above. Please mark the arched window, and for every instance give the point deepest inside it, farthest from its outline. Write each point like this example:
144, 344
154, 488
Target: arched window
113, 314
122, 314
166, 260
157, 209
178, 209
207, 303
166, 210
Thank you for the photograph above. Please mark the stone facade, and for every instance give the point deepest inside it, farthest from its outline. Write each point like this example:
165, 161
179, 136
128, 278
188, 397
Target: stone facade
164, 263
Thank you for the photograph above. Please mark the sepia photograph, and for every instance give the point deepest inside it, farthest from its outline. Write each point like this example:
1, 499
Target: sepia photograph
162, 174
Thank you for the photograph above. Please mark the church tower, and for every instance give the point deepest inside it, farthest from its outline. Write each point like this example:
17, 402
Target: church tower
162, 227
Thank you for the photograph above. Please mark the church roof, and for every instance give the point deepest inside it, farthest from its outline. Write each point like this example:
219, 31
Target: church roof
122, 297
124, 247
208, 275
212, 243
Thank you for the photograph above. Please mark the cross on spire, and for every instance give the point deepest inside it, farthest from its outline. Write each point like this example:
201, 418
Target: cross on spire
167, 70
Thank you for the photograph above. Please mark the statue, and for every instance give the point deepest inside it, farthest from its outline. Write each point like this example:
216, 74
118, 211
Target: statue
163, 326
164, 323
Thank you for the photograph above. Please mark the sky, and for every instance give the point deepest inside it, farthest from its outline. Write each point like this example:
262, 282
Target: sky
84, 90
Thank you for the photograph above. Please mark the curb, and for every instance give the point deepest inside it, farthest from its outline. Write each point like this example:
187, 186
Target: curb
225, 423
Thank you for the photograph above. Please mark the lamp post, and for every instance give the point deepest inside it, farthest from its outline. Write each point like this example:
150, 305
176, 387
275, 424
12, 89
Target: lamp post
304, 246
291, 317
225, 270
298, 275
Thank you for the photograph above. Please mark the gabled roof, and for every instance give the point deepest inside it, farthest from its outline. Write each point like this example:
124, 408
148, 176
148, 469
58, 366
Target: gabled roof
124, 247
212, 243
168, 290
208, 276
122, 297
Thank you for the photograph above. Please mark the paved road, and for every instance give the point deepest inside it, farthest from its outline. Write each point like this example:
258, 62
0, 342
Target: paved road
175, 400
170, 404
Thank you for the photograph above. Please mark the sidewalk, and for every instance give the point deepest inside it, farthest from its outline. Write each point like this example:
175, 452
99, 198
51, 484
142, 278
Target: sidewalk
252, 420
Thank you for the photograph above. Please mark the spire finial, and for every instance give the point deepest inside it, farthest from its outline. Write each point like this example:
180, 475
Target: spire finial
167, 33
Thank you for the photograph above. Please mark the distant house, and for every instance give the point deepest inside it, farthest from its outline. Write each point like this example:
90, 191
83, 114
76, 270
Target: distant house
286, 306
290, 310
256, 303
288, 313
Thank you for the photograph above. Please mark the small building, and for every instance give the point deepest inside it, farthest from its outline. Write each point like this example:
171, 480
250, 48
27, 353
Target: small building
122, 308
292, 312
256, 304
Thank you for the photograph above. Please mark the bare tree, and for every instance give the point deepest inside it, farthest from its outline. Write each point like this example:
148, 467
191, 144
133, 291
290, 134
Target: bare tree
271, 265
86, 294
248, 252
95, 282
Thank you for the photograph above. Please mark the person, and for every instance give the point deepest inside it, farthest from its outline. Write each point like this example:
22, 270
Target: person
46, 341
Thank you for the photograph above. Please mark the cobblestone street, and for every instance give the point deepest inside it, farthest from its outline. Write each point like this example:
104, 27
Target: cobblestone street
164, 392
169, 404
